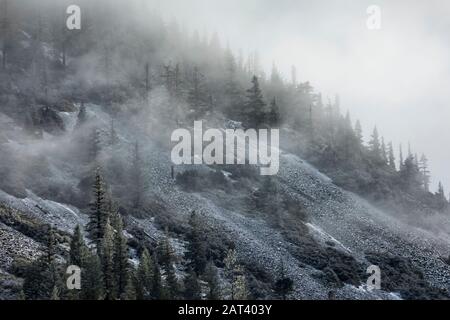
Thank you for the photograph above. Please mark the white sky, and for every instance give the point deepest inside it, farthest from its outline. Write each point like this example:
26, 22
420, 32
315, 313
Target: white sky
397, 78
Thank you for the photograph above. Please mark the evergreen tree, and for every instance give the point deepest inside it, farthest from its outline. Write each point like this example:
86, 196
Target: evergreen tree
120, 259
92, 286
41, 277
384, 155
232, 92
157, 288
401, 162
192, 290
196, 94
130, 290
196, 248
284, 285
235, 274
145, 276
374, 144
391, 157
78, 249
358, 132
423, 167
138, 184
410, 175
99, 214
166, 253
107, 260
96, 145
441, 192
212, 278
254, 110
113, 137
273, 117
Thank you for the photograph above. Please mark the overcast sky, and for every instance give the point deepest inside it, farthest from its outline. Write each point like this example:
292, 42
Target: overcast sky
397, 77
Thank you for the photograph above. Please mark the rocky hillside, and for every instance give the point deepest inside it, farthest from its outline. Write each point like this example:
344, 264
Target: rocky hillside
325, 236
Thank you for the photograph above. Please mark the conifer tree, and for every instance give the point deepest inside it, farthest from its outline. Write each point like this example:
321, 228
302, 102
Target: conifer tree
157, 288
78, 249
358, 132
92, 287
384, 155
196, 95
192, 290
107, 260
232, 91
235, 274
113, 137
391, 157
138, 184
120, 259
99, 214
254, 110
401, 162
374, 144
196, 248
283, 285
423, 167
166, 254
130, 289
96, 145
212, 278
41, 277
145, 276
273, 117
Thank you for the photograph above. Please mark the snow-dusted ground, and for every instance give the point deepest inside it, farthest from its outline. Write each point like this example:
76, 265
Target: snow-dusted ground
352, 224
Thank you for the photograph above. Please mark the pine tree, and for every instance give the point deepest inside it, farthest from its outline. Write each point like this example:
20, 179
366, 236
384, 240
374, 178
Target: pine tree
113, 137
401, 162
423, 167
441, 192
391, 157
284, 285
78, 249
235, 274
130, 290
232, 92
166, 253
196, 248
41, 277
374, 144
92, 287
107, 260
120, 259
196, 94
358, 132
145, 276
99, 210
157, 288
384, 155
138, 184
254, 110
192, 290
212, 278
273, 117
96, 145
